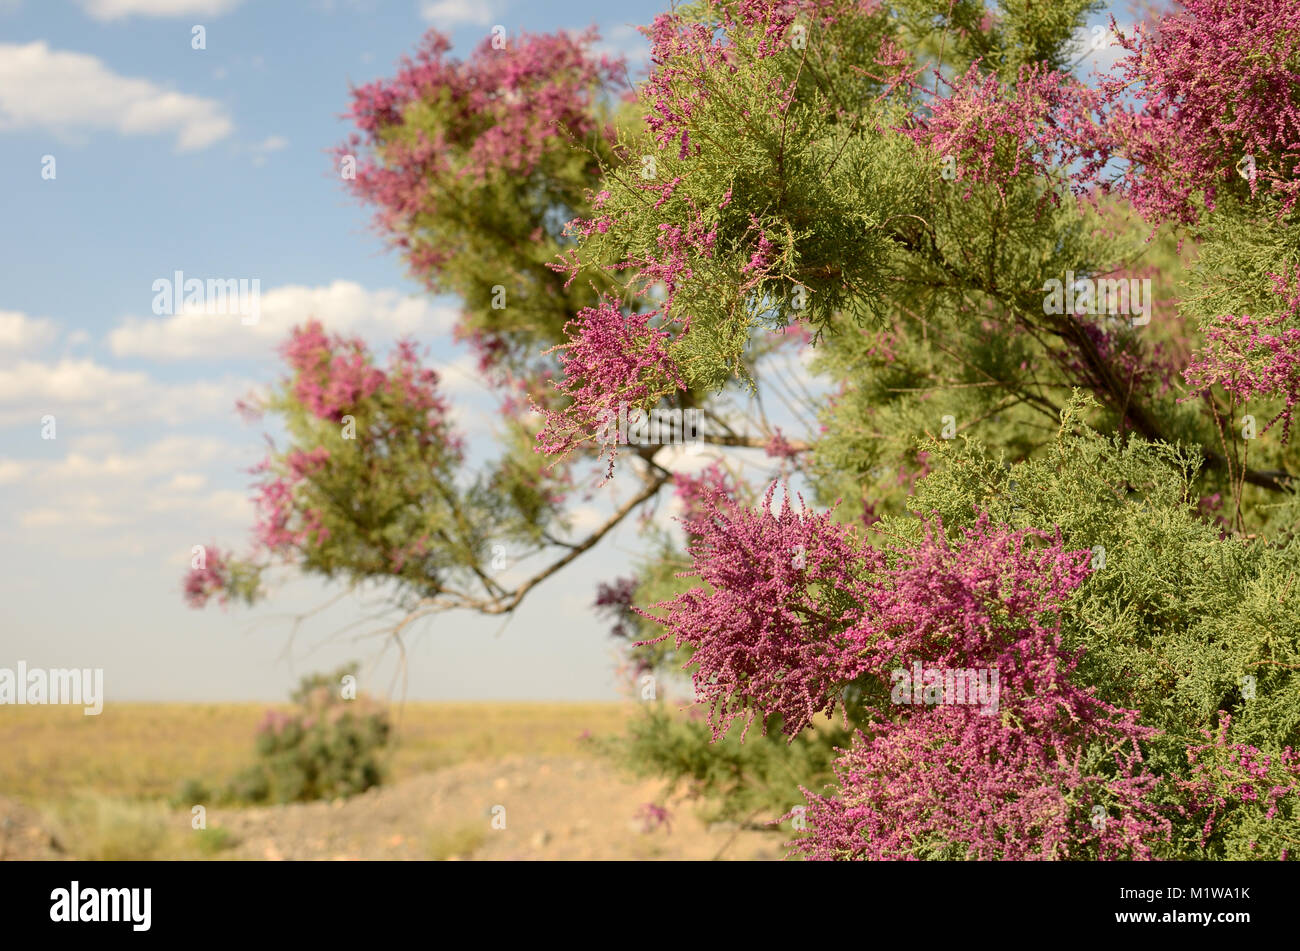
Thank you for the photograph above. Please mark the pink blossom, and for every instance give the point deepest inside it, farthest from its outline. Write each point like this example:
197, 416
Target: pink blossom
1254, 357
1214, 82
992, 133
613, 360
768, 628
212, 579
499, 114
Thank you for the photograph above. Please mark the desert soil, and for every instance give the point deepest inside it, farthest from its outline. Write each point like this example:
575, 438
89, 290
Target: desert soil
555, 807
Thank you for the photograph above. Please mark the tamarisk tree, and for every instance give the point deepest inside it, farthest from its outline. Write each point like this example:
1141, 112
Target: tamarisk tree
1025, 585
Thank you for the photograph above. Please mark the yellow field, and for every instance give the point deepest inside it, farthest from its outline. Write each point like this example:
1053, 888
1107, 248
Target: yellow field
144, 751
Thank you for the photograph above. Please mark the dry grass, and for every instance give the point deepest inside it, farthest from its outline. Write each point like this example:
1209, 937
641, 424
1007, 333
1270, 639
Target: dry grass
143, 751
459, 842
110, 830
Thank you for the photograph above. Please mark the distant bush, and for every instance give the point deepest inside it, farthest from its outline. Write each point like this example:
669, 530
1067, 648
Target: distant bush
214, 840
329, 746
193, 792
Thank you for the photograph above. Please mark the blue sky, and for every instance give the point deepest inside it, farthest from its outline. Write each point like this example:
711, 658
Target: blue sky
214, 162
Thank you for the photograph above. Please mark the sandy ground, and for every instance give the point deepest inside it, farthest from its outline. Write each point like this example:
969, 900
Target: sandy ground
23, 835
554, 807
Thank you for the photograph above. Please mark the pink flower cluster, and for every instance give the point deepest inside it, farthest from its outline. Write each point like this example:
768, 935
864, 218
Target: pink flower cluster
682, 53
1254, 357
330, 375
500, 113
612, 359
952, 783
768, 631
282, 523
685, 53
213, 579
778, 447
654, 816
334, 376
697, 493
1007, 783
795, 609
1227, 774
1215, 82
1045, 117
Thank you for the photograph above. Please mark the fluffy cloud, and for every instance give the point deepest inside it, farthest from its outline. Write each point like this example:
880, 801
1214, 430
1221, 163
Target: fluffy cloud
627, 42
445, 13
72, 93
81, 393
119, 9
258, 151
22, 334
100, 498
343, 306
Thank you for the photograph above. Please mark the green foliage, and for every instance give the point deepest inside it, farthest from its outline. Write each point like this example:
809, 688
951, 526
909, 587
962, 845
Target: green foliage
1174, 618
754, 782
827, 191
214, 841
192, 792
325, 748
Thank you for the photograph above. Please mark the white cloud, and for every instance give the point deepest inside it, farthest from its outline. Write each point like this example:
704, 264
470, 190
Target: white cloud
626, 41
118, 9
82, 393
112, 500
272, 143
342, 307
452, 12
462, 377
22, 334
72, 93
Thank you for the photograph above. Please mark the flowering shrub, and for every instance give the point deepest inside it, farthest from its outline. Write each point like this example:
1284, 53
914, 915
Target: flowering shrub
326, 746
449, 150
766, 632
1236, 778
221, 576
1083, 506
1214, 82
